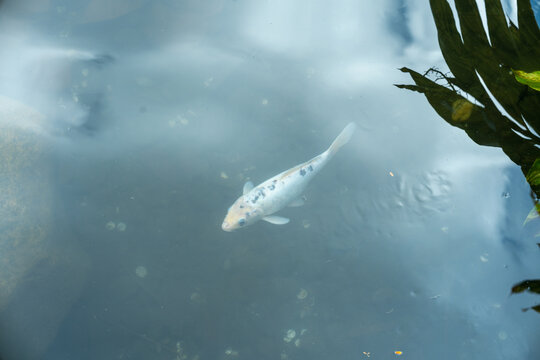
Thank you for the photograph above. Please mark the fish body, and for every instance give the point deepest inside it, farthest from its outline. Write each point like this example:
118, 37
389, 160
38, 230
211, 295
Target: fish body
285, 189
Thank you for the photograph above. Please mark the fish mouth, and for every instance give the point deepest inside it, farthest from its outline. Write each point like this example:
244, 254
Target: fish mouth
226, 227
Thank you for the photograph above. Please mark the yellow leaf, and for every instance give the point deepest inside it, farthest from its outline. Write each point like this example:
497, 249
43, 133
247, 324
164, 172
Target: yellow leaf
533, 175
461, 110
533, 214
531, 79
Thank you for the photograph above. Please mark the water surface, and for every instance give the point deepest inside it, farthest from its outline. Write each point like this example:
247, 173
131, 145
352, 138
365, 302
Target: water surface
130, 128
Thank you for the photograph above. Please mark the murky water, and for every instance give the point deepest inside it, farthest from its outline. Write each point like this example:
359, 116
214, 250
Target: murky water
128, 128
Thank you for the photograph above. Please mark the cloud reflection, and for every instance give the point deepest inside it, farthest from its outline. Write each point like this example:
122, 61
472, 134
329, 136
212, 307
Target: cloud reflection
249, 91
53, 80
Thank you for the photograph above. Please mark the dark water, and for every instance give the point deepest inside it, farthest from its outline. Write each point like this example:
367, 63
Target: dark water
129, 128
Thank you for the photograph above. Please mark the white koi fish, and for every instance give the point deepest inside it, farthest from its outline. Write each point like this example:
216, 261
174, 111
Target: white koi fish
285, 189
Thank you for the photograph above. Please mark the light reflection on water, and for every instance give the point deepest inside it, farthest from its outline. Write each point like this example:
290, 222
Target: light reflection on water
150, 116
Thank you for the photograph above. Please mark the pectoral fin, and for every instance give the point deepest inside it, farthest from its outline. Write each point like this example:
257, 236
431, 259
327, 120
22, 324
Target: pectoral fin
276, 220
297, 202
247, 187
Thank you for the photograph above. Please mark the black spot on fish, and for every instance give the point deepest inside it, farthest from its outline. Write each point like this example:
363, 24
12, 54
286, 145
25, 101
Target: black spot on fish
302, 172
274, 181
310, 168
272, 187
261, 193
241, 206
255, 199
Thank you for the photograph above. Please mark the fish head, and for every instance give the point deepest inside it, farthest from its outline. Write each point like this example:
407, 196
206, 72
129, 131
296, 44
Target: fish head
240, 215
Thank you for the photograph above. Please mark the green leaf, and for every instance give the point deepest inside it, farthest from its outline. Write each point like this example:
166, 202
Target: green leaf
533, 214
531, 79
535, 308
529, 285
533, 176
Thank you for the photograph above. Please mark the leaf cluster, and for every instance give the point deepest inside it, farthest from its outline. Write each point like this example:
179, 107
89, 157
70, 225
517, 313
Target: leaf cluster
481, 95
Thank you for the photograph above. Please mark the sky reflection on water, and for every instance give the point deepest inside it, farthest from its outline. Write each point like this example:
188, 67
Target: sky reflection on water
153, 114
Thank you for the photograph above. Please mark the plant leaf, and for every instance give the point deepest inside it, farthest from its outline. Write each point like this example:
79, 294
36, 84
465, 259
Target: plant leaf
535, 308
533, 214
530, 285
531, 79
533, 176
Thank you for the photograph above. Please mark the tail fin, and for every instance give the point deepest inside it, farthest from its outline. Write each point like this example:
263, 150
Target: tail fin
342, 139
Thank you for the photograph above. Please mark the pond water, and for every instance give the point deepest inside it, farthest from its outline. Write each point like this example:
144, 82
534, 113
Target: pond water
130, 127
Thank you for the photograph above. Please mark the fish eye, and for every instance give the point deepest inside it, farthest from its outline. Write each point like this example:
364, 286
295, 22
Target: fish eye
242, 222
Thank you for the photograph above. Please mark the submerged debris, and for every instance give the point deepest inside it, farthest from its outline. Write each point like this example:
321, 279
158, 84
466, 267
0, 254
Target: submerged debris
290, 335
180, 354
183, 120
231, 352
110, 226
121, 226
141, 271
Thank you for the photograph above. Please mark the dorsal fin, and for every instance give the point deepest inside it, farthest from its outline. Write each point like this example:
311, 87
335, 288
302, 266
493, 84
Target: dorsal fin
248, 186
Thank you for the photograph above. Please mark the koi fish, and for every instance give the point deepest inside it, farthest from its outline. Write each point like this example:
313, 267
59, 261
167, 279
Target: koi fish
285, 189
